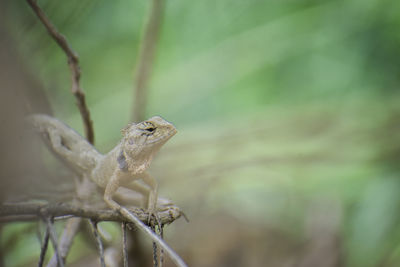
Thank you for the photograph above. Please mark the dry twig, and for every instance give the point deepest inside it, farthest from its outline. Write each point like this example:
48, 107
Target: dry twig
172, 254
161, 250
53, 238
138, 216
19, 211
155, 258
98, 241
73, 62
70, 230
124, 244
44, 247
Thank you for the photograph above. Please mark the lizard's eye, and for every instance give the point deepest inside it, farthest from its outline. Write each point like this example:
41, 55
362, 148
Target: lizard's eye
147, 126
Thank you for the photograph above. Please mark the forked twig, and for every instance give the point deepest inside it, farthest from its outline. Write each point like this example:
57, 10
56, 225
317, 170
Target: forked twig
66, 239
43, 248
173, 255
98, 241
53, 239
73, 62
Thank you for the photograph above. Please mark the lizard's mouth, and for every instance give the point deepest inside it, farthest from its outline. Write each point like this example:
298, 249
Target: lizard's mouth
163, 138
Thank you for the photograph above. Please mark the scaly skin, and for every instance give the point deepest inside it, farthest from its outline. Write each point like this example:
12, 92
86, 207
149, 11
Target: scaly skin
122, 166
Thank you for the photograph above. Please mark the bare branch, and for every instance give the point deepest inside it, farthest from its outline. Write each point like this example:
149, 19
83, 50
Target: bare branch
124, 244
70, 230
158, 230
155, 258
146, 58
53, 238
44, 247
139, 223
98, 241
135, 215
161, 249
73, 62
35, 211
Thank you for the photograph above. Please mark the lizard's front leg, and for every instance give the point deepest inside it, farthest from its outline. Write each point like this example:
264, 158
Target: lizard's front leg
112, 186
150, 193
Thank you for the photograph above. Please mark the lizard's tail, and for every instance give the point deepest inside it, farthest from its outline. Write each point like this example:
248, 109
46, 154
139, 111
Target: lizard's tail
66, 143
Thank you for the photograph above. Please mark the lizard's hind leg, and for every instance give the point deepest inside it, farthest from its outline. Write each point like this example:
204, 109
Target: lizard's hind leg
140, 188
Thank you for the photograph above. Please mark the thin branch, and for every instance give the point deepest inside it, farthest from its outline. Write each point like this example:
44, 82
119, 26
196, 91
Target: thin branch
53, 238
73, 62
124, 244
158, 230
161, 249
146, 59
98, 241
36, 210
70, 230
72, 226
172, 254
155, 258
44, 247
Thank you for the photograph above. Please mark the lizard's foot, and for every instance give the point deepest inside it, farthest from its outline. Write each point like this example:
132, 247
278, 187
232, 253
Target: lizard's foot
153, 214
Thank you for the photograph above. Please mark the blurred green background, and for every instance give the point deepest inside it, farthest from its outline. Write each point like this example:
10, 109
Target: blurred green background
288, 116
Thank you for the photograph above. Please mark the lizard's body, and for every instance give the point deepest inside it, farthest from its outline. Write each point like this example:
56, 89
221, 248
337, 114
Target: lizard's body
122, 166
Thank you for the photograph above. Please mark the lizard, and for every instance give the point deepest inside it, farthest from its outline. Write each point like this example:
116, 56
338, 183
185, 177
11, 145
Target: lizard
123, 166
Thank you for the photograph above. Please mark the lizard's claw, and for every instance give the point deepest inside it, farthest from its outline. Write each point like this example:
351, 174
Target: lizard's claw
153, 214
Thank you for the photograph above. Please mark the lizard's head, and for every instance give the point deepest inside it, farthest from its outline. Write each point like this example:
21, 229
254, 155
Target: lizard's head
147, 137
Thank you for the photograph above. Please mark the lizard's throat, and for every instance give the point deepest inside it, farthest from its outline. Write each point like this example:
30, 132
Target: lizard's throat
139, 163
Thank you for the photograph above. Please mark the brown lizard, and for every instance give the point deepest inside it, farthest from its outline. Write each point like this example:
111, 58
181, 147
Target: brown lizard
122, 166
